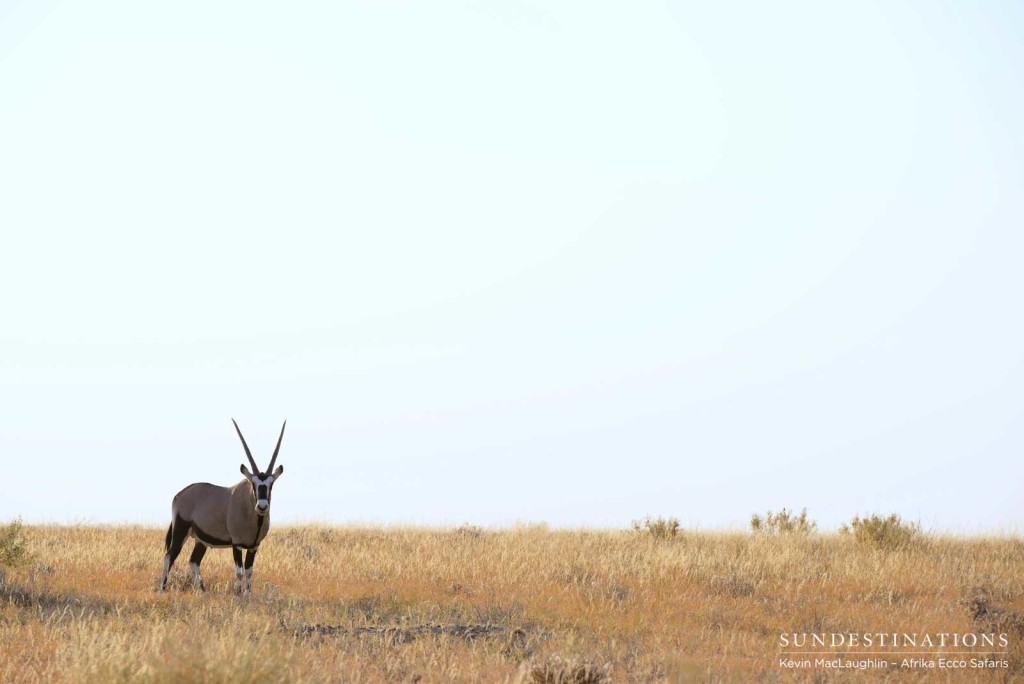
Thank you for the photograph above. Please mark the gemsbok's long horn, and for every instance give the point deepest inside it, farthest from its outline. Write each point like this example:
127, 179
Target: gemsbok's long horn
255, 469
270, 468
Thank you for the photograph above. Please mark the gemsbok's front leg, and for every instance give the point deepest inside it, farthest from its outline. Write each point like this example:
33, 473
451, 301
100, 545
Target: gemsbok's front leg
250, 558
239, 572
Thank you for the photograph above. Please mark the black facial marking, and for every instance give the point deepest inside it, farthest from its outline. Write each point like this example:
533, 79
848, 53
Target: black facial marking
260, 491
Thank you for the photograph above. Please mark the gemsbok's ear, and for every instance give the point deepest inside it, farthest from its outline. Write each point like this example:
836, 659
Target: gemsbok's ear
278, 472
245, 471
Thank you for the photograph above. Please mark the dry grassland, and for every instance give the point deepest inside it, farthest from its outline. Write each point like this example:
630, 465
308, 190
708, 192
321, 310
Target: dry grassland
468, 605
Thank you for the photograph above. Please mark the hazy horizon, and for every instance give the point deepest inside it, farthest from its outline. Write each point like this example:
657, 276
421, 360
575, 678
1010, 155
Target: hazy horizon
572, 264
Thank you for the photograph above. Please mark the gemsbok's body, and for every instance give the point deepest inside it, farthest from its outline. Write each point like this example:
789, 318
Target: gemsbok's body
222, 517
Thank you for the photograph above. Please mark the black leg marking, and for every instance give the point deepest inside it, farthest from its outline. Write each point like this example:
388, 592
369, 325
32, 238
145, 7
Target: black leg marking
167, 540
197, 553
250, 558
197, 557
237, 553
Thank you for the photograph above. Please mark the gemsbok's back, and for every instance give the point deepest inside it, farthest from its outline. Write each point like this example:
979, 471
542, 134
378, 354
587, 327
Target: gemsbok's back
219, 517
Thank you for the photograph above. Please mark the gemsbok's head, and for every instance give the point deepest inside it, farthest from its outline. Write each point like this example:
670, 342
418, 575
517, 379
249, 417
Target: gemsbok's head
262, 481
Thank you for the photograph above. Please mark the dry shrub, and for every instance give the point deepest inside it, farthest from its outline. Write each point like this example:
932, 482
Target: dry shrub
469, 531
884, 533
558, 670
657, 528
13, 545
783, 522
991, 617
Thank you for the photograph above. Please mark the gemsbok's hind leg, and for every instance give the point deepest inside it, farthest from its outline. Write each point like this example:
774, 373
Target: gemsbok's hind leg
167, 564
193, 563
176, 535
239, 574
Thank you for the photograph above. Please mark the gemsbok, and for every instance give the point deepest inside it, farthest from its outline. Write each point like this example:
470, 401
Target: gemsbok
220, 517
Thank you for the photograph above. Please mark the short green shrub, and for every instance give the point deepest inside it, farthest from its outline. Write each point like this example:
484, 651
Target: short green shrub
658, 528
783, 522
13, 547
882, 532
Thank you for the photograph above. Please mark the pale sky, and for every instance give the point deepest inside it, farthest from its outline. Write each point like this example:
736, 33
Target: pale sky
573, 262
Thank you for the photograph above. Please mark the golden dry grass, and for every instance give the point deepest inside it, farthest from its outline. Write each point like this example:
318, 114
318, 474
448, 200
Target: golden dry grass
521, 605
